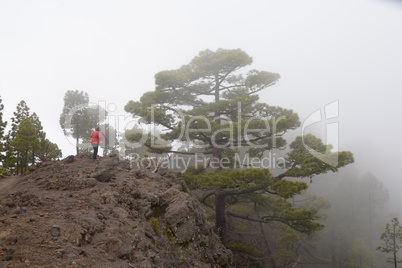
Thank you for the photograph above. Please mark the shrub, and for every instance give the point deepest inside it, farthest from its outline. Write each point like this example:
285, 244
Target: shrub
249, 249
155, 225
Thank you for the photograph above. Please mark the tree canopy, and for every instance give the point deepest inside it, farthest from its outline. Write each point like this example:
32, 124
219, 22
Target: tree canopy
208, 102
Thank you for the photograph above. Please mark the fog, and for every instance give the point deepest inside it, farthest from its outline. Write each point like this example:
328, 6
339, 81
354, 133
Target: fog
325, 51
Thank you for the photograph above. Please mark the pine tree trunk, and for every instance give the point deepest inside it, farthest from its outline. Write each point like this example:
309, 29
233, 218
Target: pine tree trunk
395, 248
270, 254
395, 260
33, 157
217, 155
26, 161
220, 223
18, 163
76, 145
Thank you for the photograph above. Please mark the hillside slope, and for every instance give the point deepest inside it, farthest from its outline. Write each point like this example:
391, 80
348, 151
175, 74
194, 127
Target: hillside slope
106, 213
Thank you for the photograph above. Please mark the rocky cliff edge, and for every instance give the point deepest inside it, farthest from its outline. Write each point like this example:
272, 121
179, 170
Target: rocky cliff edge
77, 212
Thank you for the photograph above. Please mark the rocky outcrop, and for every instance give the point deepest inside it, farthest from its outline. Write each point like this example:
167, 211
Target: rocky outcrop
105, 213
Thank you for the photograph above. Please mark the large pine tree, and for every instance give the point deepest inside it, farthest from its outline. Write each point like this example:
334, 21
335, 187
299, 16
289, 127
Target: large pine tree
214, 105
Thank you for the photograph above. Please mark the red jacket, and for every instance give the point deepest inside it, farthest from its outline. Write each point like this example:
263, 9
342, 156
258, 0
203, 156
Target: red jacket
96, 136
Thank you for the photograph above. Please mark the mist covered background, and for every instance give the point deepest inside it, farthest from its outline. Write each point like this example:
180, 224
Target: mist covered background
325, 51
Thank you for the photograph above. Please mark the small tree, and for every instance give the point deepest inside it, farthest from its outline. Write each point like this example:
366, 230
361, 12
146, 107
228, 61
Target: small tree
110, 141
125, 142
3, 125
25, 143
40, 137
392, 238
12, 158
48, 150
78, 118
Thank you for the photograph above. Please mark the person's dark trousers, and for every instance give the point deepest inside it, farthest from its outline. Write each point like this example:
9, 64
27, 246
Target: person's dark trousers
95, 146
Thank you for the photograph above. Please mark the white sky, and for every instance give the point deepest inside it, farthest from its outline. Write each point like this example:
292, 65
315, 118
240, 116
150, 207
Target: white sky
345, 50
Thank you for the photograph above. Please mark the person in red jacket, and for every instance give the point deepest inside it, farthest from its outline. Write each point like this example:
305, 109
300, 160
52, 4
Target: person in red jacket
96, 137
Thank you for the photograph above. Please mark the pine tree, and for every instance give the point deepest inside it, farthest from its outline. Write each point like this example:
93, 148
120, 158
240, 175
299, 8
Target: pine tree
211, 103
25, 142
78, 117
13, 158
43, 149
22, 112
3, 125
392, 241
48, 150
110, 141
40, 137
74, 118
131, 150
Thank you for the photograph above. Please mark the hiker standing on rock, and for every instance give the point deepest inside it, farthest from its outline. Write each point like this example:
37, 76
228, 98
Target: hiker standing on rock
96, 137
